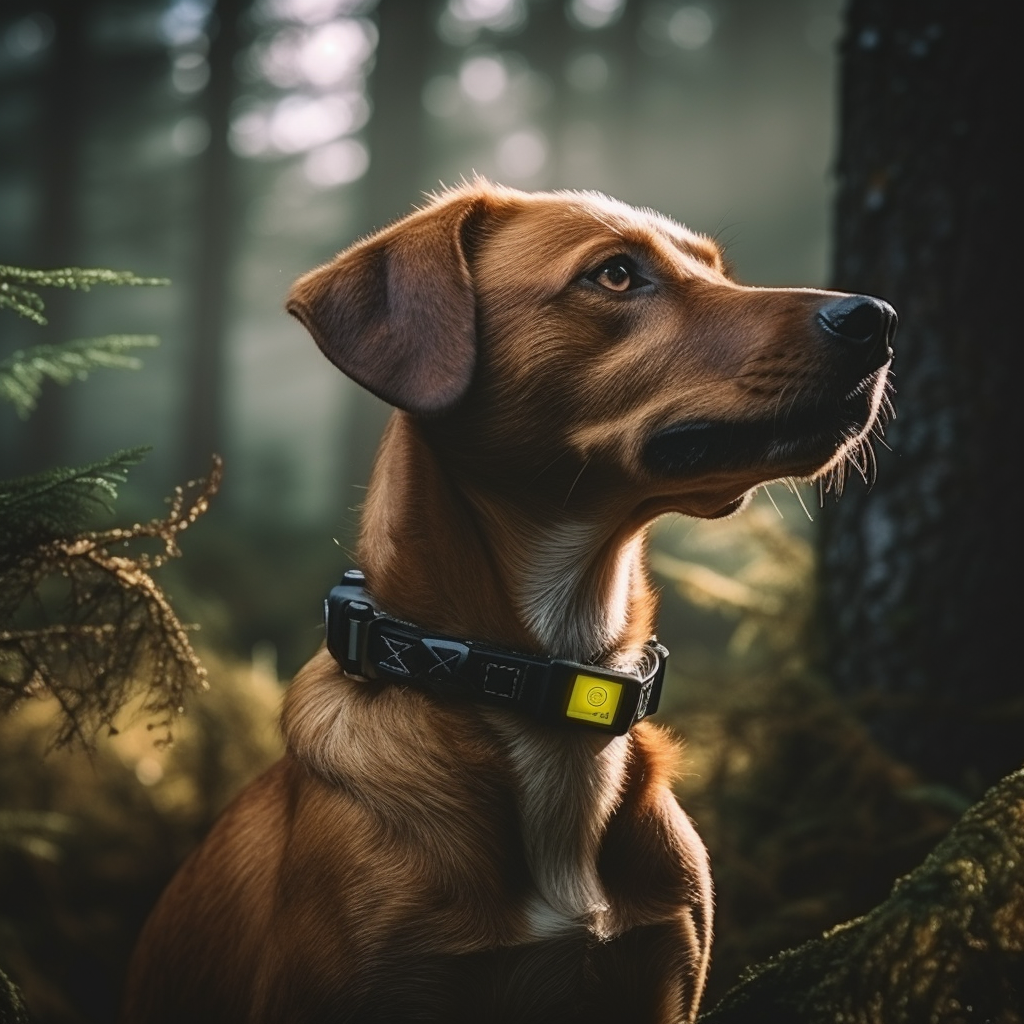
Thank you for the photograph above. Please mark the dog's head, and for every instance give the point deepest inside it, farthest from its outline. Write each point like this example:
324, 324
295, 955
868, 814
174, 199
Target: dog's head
591, 352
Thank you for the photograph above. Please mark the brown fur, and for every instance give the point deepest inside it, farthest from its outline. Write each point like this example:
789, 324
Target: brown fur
413, 860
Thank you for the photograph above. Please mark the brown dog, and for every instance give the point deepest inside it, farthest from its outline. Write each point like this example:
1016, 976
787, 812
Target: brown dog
471, 822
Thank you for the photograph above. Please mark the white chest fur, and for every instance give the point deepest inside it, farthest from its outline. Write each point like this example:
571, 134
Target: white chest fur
572, 603
568, 784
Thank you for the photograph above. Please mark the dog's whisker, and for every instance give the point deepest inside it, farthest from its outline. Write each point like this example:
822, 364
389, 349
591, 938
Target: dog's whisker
548, 466
768, 495
872, 461
575, 481
778, 402
800, 498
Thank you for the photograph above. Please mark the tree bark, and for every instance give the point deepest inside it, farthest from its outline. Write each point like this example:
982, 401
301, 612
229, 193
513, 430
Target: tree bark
917, 570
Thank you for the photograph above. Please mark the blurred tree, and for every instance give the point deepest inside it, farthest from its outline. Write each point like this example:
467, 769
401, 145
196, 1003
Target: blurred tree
916, 576
57, 144
407, 41
216, 228
82, 621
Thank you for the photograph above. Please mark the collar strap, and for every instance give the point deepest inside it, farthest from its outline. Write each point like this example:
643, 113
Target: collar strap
367, 642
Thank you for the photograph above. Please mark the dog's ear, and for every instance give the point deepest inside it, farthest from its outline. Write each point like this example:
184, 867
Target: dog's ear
397, 312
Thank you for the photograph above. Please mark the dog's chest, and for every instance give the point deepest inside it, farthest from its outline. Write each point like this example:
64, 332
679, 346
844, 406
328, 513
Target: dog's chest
567, 786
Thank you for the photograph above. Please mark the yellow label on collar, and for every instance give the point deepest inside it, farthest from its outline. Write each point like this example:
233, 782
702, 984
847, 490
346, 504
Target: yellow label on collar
594, 700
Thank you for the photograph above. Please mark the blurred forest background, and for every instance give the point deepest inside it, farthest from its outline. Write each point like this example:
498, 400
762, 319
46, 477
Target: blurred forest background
231, 162
230, 145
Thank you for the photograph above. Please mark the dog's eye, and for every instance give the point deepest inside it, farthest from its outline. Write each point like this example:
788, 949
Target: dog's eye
617, 275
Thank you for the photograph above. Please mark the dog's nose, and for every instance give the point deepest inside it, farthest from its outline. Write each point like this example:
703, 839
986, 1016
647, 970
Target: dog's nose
864, 323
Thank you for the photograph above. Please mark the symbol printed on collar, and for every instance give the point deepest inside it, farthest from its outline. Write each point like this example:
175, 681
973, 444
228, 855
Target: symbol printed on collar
501, 680
397, 648
448, 656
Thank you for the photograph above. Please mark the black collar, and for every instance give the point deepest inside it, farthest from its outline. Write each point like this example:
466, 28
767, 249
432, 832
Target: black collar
367, 642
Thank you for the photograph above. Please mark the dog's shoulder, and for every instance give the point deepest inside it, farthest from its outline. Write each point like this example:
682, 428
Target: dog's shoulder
415, 762
653, 863
383, 736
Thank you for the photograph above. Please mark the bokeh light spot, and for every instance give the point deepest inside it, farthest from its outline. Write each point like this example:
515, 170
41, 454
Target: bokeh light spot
149, 771
184, 22
312, 12
595, 13
323, 56
301, 122
28, 36
190, 136
522, 154
462, 20
190, 72
337, 163
690, 27
483, 79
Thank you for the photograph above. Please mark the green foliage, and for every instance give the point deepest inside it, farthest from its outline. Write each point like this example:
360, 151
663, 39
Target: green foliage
81, 619
58, 503
766, 587
23, 372
18, 285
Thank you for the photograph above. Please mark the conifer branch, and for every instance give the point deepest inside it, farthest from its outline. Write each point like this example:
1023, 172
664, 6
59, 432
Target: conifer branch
81, 619
18, 284
83, 622
22, 373
39, 508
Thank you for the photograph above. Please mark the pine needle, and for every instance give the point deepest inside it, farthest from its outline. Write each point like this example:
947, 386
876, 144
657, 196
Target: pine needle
22, 373
83, 621
57, 503
18, 284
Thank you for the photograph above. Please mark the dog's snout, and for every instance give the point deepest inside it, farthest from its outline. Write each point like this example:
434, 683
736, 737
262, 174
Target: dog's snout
863, 322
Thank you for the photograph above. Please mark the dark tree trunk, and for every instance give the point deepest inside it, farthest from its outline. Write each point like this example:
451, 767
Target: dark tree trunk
918, 571
203, 429
546, 44
63, 117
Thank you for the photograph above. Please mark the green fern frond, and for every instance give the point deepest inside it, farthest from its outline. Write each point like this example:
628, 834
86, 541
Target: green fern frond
17, 285
57, 503
22, 373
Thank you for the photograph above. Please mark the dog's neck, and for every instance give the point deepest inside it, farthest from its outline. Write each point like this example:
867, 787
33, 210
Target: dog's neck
451, 557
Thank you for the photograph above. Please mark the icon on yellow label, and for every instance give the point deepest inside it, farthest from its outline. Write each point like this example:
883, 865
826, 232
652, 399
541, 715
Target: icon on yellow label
593, 699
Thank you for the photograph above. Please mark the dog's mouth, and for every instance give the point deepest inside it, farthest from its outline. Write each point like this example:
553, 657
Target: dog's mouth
800, 442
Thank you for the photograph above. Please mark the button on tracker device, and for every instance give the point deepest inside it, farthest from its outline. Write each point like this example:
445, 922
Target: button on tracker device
593, 700
367, 642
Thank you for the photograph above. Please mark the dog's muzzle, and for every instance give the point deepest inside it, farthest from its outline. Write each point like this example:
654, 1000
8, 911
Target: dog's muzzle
799, 434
